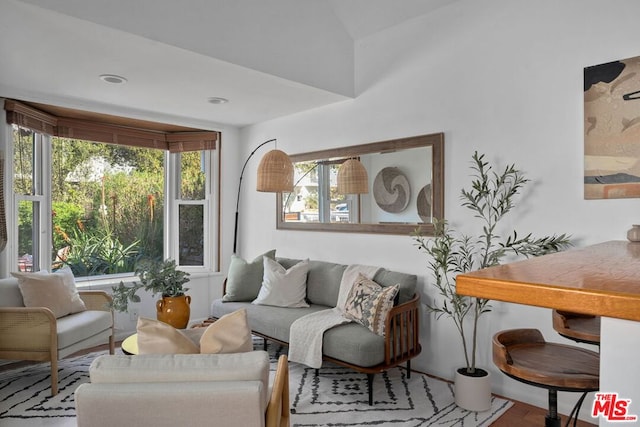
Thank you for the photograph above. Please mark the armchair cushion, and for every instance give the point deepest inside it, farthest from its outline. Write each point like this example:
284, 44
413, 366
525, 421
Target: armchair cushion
56, 291
79, 326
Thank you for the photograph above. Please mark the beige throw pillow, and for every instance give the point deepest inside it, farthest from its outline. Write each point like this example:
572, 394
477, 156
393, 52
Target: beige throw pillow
369, 303
229, 334
56, 291
155, 337
282, 287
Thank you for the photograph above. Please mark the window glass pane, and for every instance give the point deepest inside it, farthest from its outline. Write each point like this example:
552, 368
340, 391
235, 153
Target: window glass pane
23, 160
107, 203
302, 203
191, 235
192, 176
28, 235
315, 197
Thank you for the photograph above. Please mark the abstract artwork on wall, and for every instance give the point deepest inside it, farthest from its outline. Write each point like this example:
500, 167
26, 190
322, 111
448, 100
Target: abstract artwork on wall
612, 130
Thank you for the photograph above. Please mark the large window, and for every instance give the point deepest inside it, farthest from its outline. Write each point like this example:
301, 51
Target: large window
101, 207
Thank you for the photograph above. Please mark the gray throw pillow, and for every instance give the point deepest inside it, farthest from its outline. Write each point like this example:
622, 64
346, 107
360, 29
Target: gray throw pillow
245, 278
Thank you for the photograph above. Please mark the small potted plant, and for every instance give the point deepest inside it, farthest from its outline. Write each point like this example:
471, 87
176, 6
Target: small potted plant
159, 277
490, 198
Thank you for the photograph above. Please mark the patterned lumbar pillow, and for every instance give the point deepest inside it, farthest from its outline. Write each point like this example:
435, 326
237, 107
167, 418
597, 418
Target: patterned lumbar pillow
245, 278
282, 287
55, 291
228, 334
369, 303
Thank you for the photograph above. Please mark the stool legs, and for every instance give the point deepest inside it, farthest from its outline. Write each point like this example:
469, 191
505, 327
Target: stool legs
552, 419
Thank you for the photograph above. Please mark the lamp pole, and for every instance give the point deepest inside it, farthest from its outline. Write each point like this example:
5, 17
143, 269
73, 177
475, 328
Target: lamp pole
235, 229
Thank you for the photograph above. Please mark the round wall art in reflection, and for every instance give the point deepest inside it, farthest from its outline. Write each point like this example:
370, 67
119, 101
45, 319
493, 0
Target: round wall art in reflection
424, 203
391, 190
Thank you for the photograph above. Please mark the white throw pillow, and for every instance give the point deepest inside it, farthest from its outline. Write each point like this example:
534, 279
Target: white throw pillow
228, 334
57, 291
156, 337
282, 287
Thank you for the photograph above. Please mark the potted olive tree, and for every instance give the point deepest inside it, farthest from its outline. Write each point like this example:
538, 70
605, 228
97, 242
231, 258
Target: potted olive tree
159, 277
490, 197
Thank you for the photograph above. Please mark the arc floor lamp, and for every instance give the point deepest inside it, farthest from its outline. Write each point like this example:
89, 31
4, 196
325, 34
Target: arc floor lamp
275, 175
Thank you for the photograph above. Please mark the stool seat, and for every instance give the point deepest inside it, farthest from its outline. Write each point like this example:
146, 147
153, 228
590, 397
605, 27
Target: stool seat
578, 327
526, 356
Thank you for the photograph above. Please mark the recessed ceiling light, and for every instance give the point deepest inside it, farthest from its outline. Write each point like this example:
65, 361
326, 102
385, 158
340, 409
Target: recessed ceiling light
112, 78
217, 100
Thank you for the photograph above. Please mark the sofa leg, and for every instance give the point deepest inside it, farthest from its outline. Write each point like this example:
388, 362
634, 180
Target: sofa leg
409, 368
370, 386
264, 344
317, 372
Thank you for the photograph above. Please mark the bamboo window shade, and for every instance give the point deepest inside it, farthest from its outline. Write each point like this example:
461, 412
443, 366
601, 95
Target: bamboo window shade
352, 178
110, 130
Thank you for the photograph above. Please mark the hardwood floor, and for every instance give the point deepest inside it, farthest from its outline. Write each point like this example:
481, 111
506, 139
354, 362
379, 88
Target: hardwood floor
524, 415
520, 414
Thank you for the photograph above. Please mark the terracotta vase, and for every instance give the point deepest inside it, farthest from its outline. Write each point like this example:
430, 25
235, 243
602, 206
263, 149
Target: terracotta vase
473, 393
174, 311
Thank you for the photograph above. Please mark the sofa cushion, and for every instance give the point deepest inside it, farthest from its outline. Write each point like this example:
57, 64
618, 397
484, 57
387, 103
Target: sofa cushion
245, 278
283, 287
355, 344
323, 280
407, 282
149, 368
253, 365
368, 303
268, 320
230, 334
55, 291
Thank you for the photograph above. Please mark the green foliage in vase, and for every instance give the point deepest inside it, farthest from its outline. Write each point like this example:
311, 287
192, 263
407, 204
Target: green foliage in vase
157, 277
490, 198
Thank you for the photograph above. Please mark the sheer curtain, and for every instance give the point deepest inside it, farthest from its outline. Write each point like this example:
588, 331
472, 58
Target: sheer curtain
3, 218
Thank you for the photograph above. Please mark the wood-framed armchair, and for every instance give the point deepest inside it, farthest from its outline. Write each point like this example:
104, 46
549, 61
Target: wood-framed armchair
34, 333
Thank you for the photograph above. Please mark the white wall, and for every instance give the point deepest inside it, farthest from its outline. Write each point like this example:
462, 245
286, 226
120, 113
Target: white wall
503, 77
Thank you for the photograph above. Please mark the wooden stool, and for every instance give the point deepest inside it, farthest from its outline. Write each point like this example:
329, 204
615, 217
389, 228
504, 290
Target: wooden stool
578, 327
524, 355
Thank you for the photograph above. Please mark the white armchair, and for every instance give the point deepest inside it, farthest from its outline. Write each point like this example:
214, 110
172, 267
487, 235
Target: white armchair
184, 389
34, 333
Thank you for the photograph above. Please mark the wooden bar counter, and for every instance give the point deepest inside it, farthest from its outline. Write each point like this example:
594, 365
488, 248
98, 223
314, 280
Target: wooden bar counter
602, 280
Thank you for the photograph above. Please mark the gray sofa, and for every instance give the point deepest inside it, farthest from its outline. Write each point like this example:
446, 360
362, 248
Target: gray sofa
351, 345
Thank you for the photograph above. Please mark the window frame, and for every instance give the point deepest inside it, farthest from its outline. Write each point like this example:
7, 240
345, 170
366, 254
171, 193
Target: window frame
173, 143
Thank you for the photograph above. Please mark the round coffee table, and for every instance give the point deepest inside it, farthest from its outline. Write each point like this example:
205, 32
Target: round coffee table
130, 345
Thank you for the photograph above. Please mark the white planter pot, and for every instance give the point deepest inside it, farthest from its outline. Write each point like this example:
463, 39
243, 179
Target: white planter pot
473, 393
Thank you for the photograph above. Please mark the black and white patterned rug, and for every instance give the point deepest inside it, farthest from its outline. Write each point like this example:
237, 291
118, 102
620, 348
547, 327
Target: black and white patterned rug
336, 397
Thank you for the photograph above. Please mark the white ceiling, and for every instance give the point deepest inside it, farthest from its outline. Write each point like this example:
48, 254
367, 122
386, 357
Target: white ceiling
270, 58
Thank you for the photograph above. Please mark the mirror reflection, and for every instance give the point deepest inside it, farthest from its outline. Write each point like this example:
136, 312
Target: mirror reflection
405, 188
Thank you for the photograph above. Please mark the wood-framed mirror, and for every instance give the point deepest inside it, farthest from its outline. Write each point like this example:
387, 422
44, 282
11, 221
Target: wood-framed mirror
405, 180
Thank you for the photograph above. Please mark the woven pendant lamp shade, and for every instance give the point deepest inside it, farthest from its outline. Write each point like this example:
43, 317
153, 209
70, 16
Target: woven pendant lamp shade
352, 178
275, 173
